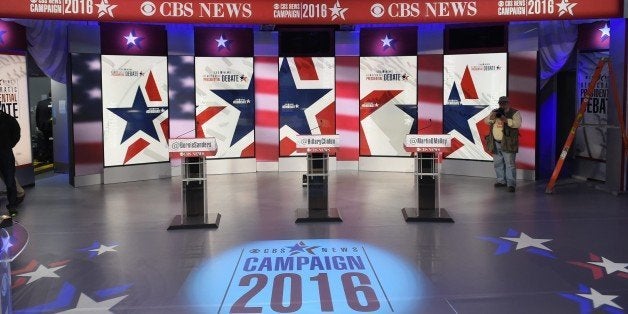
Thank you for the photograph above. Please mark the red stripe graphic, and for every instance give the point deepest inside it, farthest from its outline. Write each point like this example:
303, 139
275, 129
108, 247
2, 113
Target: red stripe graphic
205, 116
467, 85
151, 88
135, 149
306, 69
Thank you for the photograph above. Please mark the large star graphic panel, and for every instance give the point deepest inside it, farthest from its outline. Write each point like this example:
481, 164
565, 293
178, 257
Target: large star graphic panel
306, 100
225, 98
472, 84
388, 104
135, 109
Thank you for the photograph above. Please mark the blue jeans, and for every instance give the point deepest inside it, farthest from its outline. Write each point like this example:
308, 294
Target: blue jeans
504, 163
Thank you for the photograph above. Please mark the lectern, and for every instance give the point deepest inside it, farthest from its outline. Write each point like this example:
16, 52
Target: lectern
194, 213
318, 148
427, 151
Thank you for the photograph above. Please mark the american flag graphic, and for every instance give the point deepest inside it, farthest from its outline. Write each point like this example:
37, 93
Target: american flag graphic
522, 76
267, 109
86, 95
348, 107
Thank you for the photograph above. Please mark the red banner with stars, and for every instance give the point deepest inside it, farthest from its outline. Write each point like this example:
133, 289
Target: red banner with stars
311, 12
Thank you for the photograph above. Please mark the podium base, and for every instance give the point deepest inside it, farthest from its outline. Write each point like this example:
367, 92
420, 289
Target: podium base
200, 222
318, 215
429, 215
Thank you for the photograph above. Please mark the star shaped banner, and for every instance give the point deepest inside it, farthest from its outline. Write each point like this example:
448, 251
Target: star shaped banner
472, 85
225, 97
388, 110
135, 111
306, 99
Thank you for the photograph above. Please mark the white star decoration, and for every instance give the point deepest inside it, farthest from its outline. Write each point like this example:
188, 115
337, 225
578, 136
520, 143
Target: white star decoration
130, 39
41, 272
222, 42
565, 7
337, 11
386, 42
105, 8
600, 299
87, 304
610, 266
606, 31
103, 248
524, 241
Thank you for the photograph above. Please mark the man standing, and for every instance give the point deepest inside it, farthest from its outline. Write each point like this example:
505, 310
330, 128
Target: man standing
9, 136
503, 141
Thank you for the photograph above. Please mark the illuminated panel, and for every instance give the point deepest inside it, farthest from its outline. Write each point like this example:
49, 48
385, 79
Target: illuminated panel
225, 102
306, 100
135, 109
472, 84
388, 109
14, 102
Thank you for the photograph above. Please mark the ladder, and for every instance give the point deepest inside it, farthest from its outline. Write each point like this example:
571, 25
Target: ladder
583, 106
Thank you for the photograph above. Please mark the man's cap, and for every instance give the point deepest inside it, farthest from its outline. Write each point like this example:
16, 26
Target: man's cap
503, 99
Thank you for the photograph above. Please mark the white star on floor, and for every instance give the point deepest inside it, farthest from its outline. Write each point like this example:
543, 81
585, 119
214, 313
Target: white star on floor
337, 11
524, 241
222, 42
610, 266
600, 299
87, 304
386, 41
41, 272
565, 7
105, 8
103, 248
606, 31
130, 39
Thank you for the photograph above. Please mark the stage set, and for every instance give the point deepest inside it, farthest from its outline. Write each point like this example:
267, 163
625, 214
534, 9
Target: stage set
328, 156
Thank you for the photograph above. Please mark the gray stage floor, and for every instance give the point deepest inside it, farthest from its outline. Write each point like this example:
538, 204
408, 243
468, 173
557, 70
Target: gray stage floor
106, 248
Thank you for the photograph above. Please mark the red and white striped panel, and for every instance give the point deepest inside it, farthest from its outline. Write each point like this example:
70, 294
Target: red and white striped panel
522, 74
267, 109
430, 94
348, 107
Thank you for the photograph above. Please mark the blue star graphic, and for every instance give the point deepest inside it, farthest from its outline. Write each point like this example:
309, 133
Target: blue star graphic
296, 249
139, 117
2, 37
304, 98
410, 110
245, 104
457, 118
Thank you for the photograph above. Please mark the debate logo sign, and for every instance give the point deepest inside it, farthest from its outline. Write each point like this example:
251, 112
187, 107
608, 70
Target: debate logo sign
305, 276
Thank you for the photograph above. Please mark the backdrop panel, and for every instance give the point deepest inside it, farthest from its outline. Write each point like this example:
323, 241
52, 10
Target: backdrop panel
472, 84
225, 99
135, 109
86, 98
388, 104
14, 101
306, 100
